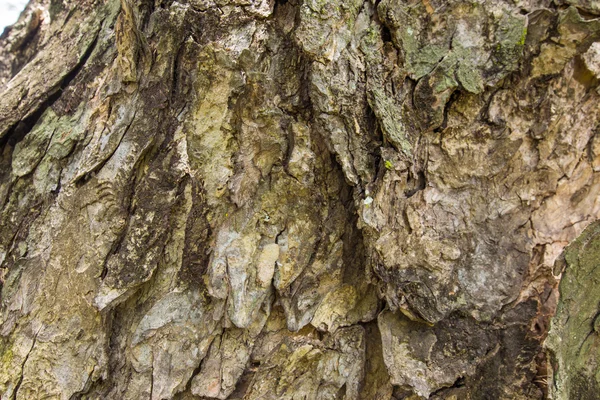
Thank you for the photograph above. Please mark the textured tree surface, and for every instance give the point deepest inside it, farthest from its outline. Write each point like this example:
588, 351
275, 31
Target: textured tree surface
573, 340
301, 199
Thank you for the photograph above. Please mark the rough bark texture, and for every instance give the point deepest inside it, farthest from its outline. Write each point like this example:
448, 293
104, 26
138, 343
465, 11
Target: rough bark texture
573, 340
259, 199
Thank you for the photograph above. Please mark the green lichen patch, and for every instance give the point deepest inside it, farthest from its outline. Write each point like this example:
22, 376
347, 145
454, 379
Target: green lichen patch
573, 340
510, 41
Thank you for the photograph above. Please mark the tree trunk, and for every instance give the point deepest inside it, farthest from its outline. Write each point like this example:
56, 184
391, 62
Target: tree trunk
573, 340
260, 199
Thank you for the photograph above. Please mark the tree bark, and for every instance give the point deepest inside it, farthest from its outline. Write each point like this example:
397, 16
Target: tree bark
573, 340
261, 199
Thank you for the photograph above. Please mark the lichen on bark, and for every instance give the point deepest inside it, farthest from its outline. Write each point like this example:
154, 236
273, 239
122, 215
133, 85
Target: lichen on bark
573, 338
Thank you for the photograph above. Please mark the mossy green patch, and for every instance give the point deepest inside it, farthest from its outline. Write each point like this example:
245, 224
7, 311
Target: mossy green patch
573, 339
7, 357
510, 39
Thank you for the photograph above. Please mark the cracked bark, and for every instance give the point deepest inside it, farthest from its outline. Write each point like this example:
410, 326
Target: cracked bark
258, 199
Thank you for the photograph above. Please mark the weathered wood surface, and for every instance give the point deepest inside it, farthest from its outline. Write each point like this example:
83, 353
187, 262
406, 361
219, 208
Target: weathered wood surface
311, 199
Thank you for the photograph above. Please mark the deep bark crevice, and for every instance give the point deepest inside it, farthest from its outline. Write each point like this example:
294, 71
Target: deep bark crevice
18, 131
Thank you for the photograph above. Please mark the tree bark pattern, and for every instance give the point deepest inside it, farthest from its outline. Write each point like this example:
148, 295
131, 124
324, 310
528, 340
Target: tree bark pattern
260, 199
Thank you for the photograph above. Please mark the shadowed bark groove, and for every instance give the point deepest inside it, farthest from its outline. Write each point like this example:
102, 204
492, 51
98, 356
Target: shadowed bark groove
260, 199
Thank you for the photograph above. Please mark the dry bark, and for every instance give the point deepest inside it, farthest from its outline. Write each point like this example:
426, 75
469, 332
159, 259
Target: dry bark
260, 199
